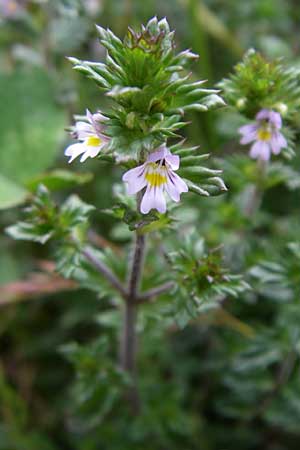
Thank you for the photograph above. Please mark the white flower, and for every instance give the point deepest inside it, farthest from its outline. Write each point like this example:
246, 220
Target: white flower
264, 134
157, 176
91, 136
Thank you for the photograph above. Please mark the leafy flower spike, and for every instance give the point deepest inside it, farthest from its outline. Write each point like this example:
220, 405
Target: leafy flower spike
157, 175
91, 137
265, 134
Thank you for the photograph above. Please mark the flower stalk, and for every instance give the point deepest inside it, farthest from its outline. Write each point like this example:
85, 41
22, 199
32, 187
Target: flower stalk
257, 193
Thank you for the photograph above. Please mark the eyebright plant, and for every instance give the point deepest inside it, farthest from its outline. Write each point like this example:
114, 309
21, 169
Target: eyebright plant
151, 91
267, 92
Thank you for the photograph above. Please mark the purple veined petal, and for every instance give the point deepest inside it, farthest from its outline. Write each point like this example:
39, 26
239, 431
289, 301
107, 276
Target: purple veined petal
74, 150
263, 114
135, 179
99, 117
275, 119
153, 199
173, 161
248, 132
175, 186
248, 129
89, 116
96, 121
83, 130
260, 150
105, 139
158, 154
278, 142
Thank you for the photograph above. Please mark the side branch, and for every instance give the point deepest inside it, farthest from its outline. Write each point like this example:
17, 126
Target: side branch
105, 271
148, 295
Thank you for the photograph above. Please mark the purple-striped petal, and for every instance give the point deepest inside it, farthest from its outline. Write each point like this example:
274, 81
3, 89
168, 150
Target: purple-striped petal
275, 120
153, 199
173, 161
159, 154
263, 114
248, 132
272, 116
135, 179
83, 130
278, 142
260, 150
175, 186
164, 153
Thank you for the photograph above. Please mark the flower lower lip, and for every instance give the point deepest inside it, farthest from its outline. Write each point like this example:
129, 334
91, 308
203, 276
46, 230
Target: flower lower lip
155, 179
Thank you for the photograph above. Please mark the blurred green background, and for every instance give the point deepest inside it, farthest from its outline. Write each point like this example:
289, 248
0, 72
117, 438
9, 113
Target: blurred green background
205, 394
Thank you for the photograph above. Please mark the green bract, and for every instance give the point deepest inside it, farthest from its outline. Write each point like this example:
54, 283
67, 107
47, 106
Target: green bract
258, 83
149, 84
202, 283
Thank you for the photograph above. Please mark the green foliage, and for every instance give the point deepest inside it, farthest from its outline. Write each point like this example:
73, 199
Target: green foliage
98, 388
201, 180
150, 87
230, 377
282, 274
201, 281
44, 220
15, 415
40, 220
258, 83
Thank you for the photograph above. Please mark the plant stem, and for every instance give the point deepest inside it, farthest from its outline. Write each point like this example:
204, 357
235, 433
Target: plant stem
137, 267
256, 196
128, 350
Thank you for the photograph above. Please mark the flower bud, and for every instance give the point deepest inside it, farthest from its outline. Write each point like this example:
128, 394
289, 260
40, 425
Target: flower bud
241, 103
282, 108
130, 120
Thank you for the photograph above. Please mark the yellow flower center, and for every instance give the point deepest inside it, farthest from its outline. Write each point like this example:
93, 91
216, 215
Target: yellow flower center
264, 134
155, 178
93, 141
